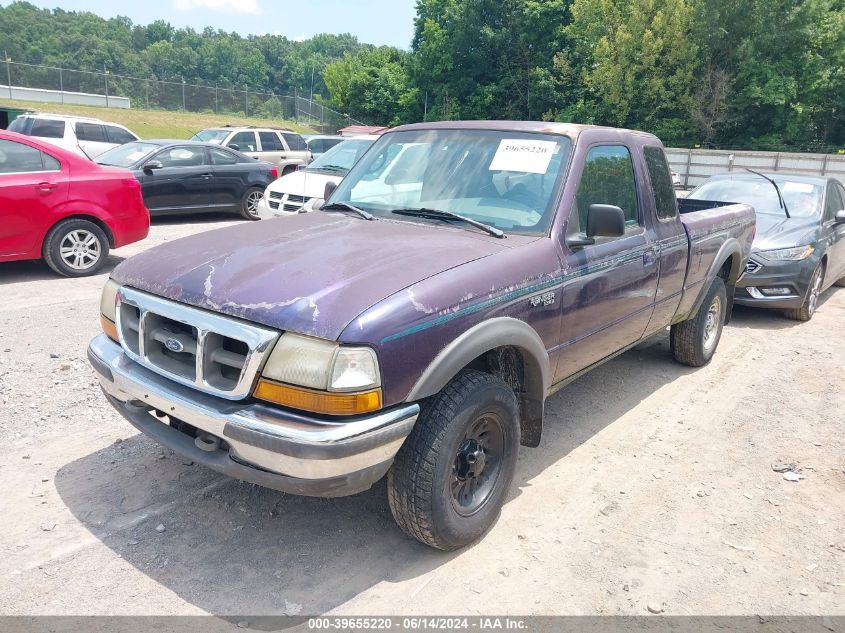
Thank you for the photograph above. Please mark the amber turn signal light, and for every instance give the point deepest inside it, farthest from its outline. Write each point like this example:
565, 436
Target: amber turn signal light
318, 401
109, 328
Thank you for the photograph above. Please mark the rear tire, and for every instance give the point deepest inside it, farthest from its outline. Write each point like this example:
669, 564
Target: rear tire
695, 341
76, 248
450, 478
249, 203
808, 308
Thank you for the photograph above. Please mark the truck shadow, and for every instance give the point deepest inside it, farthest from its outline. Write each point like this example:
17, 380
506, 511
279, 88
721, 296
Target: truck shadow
231, 548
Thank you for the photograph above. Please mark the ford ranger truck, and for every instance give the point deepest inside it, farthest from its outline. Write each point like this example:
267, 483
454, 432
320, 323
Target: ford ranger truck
414, 326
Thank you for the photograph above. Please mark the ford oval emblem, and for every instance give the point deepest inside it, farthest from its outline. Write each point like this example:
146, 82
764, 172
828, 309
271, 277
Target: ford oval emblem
174, 345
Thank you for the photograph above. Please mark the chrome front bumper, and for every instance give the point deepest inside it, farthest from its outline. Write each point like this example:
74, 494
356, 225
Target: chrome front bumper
266, 445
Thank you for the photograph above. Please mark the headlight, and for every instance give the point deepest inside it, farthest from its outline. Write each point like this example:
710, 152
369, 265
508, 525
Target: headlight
337, 380
788, 254
108, 315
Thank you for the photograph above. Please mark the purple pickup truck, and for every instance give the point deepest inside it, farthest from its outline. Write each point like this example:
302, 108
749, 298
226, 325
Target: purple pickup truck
415, 323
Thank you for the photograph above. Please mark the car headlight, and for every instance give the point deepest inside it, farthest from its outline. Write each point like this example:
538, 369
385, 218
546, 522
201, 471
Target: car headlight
108, 311
321, 376
794, 254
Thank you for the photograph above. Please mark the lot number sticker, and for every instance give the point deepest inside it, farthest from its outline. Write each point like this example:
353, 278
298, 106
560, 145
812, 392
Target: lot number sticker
532, 157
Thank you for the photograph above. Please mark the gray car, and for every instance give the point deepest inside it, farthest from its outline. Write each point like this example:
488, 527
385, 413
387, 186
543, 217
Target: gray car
799, 248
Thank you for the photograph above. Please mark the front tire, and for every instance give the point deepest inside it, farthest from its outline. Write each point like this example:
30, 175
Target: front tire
694, 341
811, 301
76, 248
249, 203
449, 480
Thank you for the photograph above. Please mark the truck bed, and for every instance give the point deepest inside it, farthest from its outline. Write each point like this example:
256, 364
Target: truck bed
709, 225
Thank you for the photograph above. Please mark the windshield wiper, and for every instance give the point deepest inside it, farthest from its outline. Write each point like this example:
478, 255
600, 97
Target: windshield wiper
775, 185
345, 206
437, 214
336, 168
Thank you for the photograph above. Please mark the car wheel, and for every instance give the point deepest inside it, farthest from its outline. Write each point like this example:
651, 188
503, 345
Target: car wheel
76, 248
449, 480
249, 203
811, 301
694, 342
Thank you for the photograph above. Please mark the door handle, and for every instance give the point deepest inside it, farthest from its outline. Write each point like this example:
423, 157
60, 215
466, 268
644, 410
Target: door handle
46, 186
649, 258
206, 176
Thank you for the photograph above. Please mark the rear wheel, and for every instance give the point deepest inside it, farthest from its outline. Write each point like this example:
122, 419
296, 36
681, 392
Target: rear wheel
811, 301
449, 480
76, 248
249, 203
694, 341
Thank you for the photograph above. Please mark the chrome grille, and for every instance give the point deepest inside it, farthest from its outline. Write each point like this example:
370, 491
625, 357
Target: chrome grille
752, 267
207, 351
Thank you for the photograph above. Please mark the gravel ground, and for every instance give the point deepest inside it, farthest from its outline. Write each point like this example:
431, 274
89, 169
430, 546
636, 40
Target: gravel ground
654, 488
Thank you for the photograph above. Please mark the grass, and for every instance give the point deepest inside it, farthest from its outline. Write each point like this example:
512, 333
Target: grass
154, 123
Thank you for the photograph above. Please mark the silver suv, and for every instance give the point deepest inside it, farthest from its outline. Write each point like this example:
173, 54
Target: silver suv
279, 146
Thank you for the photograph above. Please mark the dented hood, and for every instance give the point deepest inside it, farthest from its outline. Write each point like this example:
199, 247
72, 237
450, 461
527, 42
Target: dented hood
311, 273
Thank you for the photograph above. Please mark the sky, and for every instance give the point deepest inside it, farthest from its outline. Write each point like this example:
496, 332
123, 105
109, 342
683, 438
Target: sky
373, 21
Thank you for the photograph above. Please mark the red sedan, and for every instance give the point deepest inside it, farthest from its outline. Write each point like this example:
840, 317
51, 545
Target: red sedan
60, 207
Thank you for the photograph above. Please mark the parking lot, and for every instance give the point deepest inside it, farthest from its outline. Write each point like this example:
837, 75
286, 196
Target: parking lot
653, 490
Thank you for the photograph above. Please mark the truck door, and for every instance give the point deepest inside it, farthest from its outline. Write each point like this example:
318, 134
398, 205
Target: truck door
609, 287
834, 203
670, 238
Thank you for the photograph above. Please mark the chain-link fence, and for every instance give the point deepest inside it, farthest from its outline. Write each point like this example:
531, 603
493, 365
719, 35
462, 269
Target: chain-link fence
52, 84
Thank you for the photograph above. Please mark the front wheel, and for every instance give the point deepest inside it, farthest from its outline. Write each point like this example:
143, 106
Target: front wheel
449, 480
694, 341
811, 301
249, 203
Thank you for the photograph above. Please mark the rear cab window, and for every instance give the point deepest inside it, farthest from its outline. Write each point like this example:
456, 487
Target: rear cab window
665, 203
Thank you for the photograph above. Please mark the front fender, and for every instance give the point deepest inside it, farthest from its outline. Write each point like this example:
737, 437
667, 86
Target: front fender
477, 341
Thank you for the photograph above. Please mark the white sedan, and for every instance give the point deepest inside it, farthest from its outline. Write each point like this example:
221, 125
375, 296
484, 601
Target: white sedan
296, 192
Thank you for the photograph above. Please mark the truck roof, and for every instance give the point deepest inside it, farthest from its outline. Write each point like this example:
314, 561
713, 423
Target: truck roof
544, 127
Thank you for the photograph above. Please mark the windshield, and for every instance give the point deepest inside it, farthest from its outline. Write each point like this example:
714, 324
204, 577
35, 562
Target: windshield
211, 136
507, 180
341, 157
803, 199
126, 155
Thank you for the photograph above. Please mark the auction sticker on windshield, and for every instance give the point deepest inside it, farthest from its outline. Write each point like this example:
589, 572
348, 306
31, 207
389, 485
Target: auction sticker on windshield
532, 157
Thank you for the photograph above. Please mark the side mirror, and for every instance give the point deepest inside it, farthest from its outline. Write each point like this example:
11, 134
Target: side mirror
329, 190
603, 220
839, 218
153, 164
234, 146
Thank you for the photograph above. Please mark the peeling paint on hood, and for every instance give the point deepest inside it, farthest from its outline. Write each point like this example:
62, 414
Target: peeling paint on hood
312, 273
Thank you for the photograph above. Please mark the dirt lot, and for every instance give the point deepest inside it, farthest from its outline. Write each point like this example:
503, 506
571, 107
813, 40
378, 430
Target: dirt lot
653, 486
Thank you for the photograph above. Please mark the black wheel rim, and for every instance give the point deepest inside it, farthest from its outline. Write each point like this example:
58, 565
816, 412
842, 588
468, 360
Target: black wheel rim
477, 464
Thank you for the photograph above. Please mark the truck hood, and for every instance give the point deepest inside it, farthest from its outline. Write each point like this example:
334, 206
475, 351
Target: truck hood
781, 232
311, 273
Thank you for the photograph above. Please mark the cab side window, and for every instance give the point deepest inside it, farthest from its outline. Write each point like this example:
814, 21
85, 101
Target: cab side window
661, 183
608, 178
